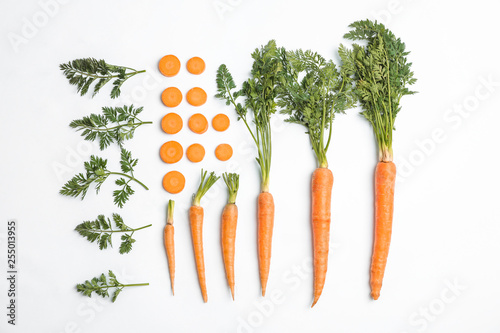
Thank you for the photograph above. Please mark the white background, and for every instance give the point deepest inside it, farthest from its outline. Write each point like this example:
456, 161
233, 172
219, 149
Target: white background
446, 219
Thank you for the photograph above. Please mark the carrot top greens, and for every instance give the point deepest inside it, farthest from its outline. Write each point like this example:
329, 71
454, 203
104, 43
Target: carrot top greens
205, 185
232, 181
312, 91
381, 74
116, 124
260, 92
84, 72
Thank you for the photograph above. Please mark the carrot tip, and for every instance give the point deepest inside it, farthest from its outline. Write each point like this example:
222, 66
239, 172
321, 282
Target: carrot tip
315, 301
232, 292
375, 295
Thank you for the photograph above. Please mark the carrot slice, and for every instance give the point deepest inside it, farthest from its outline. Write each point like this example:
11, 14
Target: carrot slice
223, 152
220, 122
195, 65
171, 152
169, 65
171, 97
171, 123
195, 153
173, 182
198, 123
196, 96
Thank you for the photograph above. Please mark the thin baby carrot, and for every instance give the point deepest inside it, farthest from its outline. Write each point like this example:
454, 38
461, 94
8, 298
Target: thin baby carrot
228, 229
196, 222
168, 238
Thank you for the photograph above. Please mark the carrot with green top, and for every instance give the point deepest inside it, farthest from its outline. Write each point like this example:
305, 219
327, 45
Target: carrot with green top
312, 101
168, 237
381, 74
196, 221
260, 92
228, 228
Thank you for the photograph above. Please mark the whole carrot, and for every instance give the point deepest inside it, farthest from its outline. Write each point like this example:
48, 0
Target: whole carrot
196, 222
228, 228
260, 92
168, 238
382, 74
313, 101
385, 179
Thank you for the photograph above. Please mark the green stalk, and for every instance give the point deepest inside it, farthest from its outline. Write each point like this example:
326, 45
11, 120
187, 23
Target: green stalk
205, 185
170, 212
130, 177
232, 181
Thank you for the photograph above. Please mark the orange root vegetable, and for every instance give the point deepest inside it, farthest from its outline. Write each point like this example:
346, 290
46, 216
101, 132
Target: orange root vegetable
171, 123
265, 224
171, 152
195, 153
171, 97
385, 179
321, 189
169, 65
196, 222
223, 152
168, 238
198, 123
196, 96
220, 122
228, 229
173, 182
380, 52
260, 92
195, 65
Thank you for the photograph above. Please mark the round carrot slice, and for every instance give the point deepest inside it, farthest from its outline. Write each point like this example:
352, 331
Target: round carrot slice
223, 152
171, 123
198, 123
171, 152
173, 182
220, 122
169, 65
195, 65
171, 97
195, 153
196, 96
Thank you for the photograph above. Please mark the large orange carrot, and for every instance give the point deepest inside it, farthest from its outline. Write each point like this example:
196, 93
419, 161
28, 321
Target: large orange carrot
385, 179
168, 237
228, 228
382, 75
196, 222
260, 92
321, 188
313, 91
265, 223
